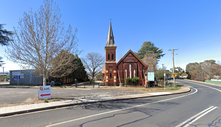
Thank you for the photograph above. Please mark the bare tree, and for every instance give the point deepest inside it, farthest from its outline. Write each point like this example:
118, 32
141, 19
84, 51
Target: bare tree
93, 64
199, 75
40, 37
151, 61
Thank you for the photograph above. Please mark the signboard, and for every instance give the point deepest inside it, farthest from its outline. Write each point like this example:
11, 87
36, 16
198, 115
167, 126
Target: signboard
150, 76
16, 77
174, 75
17, 73
44, 92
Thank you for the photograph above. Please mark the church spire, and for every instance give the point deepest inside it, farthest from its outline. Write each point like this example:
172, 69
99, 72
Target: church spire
110, 38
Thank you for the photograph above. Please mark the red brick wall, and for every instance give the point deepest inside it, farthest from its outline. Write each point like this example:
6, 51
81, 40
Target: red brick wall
110, 66
135, 65
130, 59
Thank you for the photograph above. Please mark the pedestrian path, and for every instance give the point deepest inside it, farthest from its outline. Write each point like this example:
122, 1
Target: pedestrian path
41, 106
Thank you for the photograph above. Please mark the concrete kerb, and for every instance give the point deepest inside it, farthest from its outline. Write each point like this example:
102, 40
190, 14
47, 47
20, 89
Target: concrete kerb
50, 106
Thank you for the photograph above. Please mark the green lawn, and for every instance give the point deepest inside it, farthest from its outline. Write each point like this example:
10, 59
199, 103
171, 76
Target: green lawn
6, 76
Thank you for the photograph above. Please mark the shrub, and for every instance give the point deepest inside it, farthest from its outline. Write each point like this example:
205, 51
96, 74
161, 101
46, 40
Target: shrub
135, 80
128, 80
45, 101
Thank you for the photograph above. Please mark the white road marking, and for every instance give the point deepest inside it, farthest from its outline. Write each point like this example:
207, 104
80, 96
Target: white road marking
81, 118
201, 114
196, 117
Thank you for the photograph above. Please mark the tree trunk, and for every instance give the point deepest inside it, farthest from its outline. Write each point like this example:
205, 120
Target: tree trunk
44, 78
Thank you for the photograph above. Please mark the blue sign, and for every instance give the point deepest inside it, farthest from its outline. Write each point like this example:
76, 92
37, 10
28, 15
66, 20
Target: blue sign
16, 77
150, 76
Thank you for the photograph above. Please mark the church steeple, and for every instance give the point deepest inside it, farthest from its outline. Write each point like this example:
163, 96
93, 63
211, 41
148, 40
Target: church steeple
110, 38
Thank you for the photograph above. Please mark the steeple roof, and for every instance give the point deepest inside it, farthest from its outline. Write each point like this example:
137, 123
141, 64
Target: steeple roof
110, 38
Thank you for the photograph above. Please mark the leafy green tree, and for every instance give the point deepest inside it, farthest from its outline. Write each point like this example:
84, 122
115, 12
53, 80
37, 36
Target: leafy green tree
190, 70
4, 36
159, 74
198, 71
63, 64
1, 62
4, 39
210, 68
177, 70
80, 74
149, 47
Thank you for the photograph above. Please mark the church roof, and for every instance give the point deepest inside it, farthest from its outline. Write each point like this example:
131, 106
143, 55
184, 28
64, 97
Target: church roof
110, 38
130, 51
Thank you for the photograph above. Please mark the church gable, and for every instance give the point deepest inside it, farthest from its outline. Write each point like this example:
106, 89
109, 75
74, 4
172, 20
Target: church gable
131, 57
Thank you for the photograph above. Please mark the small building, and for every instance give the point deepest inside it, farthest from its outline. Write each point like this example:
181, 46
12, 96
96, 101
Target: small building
25, 77
128, 66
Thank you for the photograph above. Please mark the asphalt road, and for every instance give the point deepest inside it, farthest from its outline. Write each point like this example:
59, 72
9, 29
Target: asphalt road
26, 95
198, 108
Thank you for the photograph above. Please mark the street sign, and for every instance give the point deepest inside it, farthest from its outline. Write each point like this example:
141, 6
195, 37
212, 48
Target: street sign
44, 92
150, 76
174, 75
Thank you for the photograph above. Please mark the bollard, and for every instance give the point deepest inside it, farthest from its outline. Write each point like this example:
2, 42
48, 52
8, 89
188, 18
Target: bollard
76, 83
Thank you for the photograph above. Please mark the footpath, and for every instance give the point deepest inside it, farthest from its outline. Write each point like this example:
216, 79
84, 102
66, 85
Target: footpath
6, 111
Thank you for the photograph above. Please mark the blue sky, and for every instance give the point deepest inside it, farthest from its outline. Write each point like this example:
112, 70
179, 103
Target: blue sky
192, 26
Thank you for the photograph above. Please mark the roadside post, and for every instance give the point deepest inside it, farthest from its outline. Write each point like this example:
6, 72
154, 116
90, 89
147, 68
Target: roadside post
164, 80
146, 81
76, 83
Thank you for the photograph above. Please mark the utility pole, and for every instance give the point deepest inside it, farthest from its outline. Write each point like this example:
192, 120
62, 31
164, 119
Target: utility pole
173, 63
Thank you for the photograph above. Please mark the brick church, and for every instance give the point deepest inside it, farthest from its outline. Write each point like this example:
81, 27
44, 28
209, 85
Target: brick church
128, 66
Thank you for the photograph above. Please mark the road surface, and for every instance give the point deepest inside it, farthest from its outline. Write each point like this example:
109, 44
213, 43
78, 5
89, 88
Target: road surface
198, 108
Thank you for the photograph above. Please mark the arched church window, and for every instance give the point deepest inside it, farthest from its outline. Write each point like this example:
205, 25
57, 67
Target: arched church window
130, 70
134, 73
112, 56
108, 56
110, 75
125, 73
